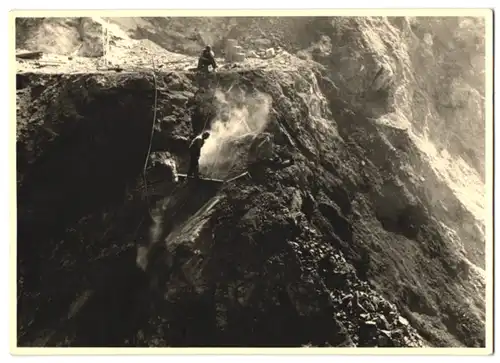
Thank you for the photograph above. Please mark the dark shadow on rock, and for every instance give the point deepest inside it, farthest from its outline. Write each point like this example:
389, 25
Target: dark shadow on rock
115, 309
86, 168
400, 217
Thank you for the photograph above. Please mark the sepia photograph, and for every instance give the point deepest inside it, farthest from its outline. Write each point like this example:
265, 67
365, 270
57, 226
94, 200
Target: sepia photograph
259, 181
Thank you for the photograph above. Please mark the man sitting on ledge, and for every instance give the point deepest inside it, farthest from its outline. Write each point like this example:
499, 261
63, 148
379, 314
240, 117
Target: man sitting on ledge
207, 58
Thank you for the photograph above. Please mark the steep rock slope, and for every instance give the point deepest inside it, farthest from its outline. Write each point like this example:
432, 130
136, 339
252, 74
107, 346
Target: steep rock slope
310, 248
344, 233
431, 69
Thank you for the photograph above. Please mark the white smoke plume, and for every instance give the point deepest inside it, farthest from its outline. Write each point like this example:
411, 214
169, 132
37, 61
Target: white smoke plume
240, 117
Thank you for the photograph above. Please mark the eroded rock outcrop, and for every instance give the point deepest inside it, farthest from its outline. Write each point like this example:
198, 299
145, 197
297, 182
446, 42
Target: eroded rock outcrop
329, 242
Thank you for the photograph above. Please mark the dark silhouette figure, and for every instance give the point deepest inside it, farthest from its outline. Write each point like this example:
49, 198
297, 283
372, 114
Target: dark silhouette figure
195, 152
207, 58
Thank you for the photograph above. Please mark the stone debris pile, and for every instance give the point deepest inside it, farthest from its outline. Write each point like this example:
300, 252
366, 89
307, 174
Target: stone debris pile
235, 53
370, 320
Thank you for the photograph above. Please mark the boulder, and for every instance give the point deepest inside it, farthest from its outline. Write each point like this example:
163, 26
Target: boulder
230, 43
237, 49
161, 167
262, 43
303, 55
270, 52
252, 54
234, 51
261, 148
238, 57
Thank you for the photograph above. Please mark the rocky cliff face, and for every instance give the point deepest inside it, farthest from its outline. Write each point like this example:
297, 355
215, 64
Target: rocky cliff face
343, 232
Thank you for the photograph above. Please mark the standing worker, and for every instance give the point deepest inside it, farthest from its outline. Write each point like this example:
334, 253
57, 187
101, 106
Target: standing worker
195, 152
207, 58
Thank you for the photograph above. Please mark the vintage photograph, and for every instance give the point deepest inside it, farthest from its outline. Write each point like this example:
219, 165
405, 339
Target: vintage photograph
252, 181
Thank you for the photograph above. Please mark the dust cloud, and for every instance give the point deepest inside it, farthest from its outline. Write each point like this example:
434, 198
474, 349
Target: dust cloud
240, 117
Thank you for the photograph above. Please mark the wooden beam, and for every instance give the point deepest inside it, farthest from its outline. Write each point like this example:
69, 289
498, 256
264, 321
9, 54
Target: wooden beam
204, 179
216, 180
29, 55
237, 177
